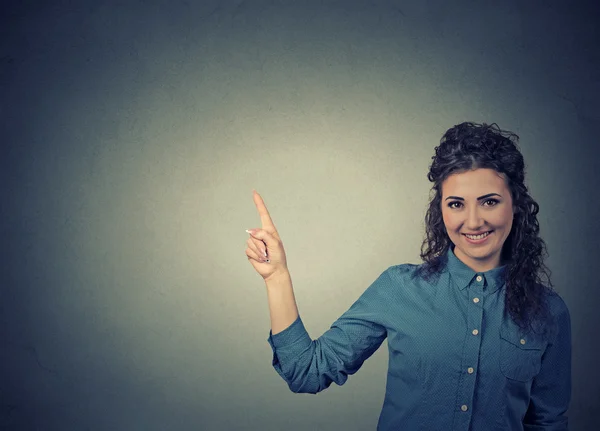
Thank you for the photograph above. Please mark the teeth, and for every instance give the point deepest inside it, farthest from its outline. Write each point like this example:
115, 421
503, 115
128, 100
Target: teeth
483, 235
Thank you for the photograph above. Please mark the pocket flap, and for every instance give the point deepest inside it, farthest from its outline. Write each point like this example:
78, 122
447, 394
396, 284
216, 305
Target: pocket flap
526, 340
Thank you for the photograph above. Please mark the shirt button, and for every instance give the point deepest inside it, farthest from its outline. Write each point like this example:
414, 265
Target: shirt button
470, 370
464, 408
479, 278
522, 341
475, 300
475, 332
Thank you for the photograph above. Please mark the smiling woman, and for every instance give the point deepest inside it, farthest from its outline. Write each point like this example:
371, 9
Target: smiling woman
476, 340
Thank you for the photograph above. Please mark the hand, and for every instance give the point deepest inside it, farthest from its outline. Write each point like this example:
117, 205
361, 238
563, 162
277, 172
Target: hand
266, 240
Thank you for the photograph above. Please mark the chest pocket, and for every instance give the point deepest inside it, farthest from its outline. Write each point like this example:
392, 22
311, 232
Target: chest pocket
520, 353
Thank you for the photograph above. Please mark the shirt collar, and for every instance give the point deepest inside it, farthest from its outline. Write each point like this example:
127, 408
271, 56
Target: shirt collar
463, 275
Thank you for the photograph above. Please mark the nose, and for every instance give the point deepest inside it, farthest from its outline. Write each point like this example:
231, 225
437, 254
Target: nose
474, 221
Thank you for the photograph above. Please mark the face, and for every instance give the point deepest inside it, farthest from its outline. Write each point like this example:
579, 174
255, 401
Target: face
477, 202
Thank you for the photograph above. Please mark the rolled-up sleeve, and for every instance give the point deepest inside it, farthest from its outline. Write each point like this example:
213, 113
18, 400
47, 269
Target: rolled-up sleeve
551, 388
310, 366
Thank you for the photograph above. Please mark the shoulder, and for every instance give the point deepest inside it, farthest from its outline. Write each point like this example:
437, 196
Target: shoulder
410, 275
393, 284
556, 304
403, 272
393, 278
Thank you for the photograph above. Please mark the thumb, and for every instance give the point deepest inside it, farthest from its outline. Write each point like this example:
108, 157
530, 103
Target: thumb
261, 234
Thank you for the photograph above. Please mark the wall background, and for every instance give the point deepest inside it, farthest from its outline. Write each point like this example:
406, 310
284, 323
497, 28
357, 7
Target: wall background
134, 132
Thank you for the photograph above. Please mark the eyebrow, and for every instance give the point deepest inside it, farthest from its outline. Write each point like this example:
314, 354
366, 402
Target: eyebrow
479, 198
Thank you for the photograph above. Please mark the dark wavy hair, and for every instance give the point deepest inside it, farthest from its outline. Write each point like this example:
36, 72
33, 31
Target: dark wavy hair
469, 146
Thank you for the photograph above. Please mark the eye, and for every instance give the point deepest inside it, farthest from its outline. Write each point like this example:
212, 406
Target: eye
452, 203
493, 202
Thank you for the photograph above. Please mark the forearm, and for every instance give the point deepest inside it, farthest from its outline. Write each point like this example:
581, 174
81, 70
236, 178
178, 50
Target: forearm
282, 303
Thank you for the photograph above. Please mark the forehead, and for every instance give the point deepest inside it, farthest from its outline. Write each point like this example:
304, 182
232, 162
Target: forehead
474, 183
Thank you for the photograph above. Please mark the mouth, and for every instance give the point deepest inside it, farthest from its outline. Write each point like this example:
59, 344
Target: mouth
477, 239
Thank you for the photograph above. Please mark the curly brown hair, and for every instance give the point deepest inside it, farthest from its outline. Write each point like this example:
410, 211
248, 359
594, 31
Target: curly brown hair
469, 146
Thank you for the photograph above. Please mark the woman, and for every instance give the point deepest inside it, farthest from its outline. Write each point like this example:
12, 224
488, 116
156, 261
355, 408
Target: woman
476, 340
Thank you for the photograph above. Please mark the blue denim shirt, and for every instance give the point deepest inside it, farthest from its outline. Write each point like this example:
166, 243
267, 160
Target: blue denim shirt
456, 359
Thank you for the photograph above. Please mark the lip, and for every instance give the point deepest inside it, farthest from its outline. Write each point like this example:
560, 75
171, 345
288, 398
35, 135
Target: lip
478, 241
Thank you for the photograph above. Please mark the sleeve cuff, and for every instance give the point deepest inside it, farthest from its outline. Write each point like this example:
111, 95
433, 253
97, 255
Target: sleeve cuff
293, 334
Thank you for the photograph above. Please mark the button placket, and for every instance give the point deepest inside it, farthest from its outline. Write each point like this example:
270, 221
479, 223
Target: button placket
466, 389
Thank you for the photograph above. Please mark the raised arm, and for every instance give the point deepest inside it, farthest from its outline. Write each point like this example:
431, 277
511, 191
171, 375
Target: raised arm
311, 365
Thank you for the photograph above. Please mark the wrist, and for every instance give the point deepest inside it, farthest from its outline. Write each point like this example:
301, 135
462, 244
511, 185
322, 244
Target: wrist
278, 279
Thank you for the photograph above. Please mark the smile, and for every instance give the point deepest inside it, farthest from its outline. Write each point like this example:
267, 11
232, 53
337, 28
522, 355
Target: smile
477, 237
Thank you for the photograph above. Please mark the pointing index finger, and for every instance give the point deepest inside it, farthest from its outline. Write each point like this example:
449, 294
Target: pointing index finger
265, 217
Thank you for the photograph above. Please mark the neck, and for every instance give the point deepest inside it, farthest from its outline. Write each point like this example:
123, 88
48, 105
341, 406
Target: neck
476, 264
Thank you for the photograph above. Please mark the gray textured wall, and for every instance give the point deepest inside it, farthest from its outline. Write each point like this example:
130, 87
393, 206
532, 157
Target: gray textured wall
134, 132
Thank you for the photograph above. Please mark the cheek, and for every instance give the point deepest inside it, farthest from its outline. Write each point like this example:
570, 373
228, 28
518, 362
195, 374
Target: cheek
449, 222
503, 219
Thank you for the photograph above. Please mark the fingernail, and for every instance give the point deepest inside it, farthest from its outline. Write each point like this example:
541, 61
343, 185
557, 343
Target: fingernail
251, 231
265, 253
